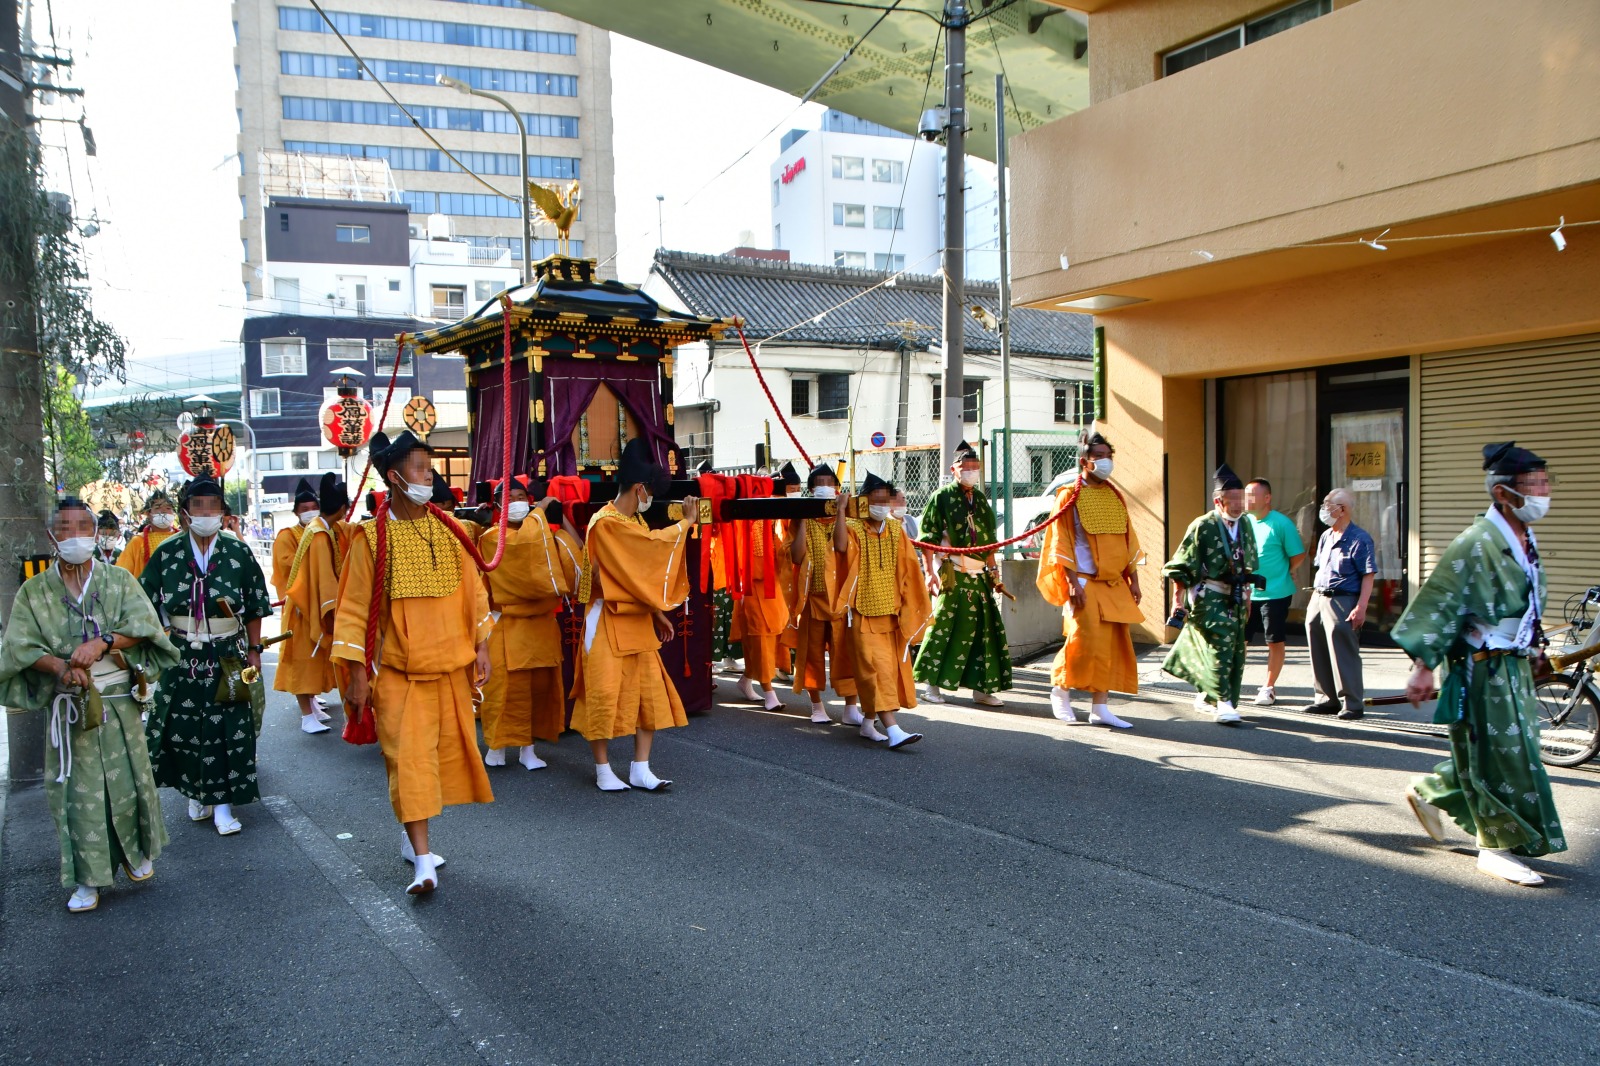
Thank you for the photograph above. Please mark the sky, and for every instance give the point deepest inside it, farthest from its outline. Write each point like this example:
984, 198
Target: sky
163, 188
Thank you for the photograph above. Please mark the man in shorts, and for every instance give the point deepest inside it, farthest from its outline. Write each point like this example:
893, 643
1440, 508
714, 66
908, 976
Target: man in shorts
1279, 551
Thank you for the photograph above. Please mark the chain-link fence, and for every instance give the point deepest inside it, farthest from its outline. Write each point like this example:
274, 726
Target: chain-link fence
1024, 467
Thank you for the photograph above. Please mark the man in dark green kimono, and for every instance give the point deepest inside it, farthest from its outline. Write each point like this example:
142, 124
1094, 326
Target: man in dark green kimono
210, 591
1479, 614
1213, 574
965, 646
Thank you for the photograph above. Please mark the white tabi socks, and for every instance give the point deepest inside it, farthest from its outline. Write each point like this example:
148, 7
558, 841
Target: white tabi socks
1061, 705
426, 877
869, 730
607, 779
409, 854
852, 714
1101, 714
819, 714
494, 757
771, 700
899, 738
639, 776
530, 759
747, 689
222, 817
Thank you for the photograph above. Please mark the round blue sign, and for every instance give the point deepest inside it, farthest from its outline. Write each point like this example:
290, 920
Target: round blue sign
879, 440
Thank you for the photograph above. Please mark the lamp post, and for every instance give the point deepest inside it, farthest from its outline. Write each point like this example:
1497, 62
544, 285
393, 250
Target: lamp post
661, 232
522, 158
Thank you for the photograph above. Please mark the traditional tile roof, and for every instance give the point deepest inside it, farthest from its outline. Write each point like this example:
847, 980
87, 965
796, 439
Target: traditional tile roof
775, 297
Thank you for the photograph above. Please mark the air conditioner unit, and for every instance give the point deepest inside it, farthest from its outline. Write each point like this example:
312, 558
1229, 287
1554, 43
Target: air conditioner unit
416, 231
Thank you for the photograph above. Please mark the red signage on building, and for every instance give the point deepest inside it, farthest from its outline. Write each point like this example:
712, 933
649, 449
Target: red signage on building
793, 170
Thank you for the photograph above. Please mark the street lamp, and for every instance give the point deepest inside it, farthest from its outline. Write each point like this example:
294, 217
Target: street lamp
522, 158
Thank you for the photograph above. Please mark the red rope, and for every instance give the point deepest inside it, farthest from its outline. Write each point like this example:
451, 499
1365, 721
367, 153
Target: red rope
782, 421
383, 419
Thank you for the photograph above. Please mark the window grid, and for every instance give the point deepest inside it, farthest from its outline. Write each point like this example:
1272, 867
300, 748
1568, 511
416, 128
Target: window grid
888, 218
428, 31
350, 234
265, 403
851, 215
349, 351
383, 113
431, 159
403, 72
800, 396
283, 357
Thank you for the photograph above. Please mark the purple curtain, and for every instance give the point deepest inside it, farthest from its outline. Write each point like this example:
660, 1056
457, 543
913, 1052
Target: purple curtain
569, 386
486, 442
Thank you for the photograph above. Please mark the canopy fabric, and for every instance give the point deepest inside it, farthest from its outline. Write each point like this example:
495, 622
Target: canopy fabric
789, 44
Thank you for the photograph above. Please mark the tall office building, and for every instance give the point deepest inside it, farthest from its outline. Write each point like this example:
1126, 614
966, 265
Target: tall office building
299, 90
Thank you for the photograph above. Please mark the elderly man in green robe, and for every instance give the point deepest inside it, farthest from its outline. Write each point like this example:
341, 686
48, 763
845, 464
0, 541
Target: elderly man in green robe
1214, 570
1479, 614
965, 646
82, 644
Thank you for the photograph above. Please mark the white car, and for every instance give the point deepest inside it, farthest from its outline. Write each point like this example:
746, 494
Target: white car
1031, 511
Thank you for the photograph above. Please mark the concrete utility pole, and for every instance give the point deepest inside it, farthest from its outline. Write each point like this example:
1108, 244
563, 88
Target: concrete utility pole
955, 229
1005, 292
22, 494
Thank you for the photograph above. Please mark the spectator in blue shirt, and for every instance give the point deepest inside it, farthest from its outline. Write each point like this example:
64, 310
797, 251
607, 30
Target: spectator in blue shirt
1347, 563
1279, 553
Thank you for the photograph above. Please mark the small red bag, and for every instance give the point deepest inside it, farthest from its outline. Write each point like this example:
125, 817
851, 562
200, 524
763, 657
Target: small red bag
362, 729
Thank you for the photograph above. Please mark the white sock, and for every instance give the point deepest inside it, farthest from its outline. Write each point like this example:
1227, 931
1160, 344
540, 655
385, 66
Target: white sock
1061, 704
897, 735
639, 775
1100, 714
607, 778
494, 757
770, 698
869, 729
819, 713
530, 759
222, 813
852, 714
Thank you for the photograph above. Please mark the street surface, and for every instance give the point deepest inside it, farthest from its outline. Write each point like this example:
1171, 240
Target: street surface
1010, 890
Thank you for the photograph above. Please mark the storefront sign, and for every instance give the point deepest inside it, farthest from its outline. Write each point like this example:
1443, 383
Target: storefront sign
1367, 484
1100, 373
1366, 460
794, 170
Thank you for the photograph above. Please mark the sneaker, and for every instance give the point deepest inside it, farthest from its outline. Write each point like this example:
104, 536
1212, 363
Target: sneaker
1226, 715
1265, 696
1323, 707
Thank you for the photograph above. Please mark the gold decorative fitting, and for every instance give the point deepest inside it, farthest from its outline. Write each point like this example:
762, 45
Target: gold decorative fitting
671, 416
705, 512
544, 467
538, 362
420, 416
831, 508
675, 512
538, 409
667, 363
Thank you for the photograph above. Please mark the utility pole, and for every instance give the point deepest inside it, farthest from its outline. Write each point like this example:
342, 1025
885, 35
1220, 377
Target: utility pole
1005, 290
955, 229
23, 499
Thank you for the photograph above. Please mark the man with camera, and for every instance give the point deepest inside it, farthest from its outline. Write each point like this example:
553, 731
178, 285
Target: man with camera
1212, 576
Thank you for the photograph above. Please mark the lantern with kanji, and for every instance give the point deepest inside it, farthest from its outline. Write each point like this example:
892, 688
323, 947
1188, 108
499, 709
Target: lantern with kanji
347, 421
206, 450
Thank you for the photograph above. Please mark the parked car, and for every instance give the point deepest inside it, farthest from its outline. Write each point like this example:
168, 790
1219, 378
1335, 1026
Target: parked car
1030, 511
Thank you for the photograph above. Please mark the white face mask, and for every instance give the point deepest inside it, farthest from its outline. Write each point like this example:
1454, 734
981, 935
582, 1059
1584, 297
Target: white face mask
308, 517
75, 551
879, 512
1324, 516
205, 526
417, 494
825, 492
645, 503
1102, 468
108, 542
163, 521
516, 511
1533, 507
970, 478
898, 512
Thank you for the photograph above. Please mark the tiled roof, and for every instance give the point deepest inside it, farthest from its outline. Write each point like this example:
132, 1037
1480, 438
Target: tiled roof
773, 297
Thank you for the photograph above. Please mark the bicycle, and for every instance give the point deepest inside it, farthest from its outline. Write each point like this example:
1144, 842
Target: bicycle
1569, 703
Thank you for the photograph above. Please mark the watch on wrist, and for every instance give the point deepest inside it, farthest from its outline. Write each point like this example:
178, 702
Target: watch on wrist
110, 639
258, 648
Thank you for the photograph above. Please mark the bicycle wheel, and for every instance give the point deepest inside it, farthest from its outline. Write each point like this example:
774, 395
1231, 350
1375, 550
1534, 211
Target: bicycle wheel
1569, 721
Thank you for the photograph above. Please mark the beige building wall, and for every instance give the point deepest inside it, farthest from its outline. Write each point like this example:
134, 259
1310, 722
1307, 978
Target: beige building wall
261, 88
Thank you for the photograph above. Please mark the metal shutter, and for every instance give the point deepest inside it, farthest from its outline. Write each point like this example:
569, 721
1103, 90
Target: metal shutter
1544, 395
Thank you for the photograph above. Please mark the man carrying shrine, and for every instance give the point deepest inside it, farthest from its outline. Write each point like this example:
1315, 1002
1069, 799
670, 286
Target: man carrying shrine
965, 645
817, 609
1214, 572
309, 586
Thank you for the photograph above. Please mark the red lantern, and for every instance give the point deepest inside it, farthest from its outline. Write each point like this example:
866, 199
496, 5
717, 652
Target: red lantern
207, 449
347, 422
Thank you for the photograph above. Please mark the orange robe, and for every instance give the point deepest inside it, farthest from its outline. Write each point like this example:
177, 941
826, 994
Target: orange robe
1098, 653
763, 614
570, 617
884, 627
623, 686
817, 616
427, 642
141, 547
284, 547
786, 639
523, 699
310, 591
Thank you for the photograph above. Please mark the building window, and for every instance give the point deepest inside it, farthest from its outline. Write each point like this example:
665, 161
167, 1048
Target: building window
330, 394
483, 291
800, 396
397, 406
449, 301
429, 31
776, 185
283, 358
888, 218
857, 260
973, 387
1045, 463
1236, 37
889, 170
1074, 402
351, 234
283, 221
464, 119
246, 242
269, 461
287, 292
394, 284
852, 215
833, 395
849, 167
777, 236
560, 167
406, 72
265, 403
383, 351
328, 460
353, 352
887, 261
299, 460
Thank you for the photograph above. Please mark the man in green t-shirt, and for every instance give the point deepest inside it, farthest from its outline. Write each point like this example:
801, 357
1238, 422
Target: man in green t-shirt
1279, 552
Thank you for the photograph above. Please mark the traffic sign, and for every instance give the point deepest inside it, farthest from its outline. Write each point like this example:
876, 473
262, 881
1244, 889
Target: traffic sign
879, 440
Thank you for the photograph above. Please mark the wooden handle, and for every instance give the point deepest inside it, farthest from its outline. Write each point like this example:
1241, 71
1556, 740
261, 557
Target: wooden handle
1577, 655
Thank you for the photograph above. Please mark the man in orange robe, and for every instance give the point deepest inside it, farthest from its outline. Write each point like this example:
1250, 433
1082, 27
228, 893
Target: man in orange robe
1087, 567
432, 647
636, 575
817, 609
763, 615
781, 535
888, 609
161, 522
310, 592
523, 699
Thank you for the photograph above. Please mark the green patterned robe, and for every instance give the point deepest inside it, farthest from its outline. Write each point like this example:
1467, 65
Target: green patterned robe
965, 645
1209, 652
107, 811
1493, 785
204, 749
722, 644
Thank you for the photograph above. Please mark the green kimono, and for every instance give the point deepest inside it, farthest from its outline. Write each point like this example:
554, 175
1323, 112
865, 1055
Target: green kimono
723, 646
965, 645
1209, 652
204, 749
1493, 784
100, 787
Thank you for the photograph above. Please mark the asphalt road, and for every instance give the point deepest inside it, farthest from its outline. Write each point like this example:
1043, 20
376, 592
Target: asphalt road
1010, 890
